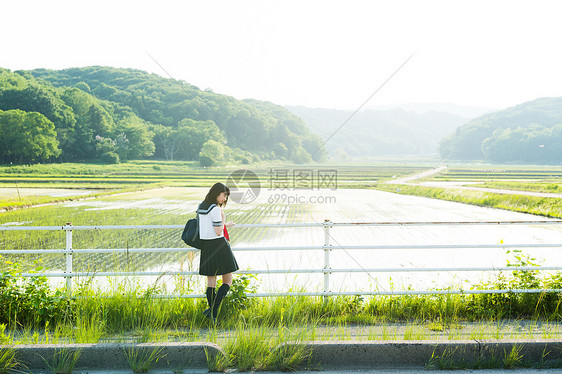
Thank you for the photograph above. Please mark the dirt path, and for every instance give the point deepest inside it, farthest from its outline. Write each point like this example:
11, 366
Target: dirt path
408, 181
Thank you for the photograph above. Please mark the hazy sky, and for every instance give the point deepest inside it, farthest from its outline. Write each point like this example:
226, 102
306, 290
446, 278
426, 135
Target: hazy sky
331, 54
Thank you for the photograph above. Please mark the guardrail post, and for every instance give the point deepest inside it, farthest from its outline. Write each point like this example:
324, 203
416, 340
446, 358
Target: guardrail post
68, 254
327, 249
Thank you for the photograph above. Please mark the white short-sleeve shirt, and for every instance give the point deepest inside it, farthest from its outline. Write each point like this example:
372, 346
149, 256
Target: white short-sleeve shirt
208, 222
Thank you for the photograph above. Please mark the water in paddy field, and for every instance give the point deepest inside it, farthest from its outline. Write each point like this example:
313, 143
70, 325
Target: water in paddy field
174, 206
377, 206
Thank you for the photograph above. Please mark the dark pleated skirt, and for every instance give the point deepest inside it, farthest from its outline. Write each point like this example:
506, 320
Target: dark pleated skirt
217, 258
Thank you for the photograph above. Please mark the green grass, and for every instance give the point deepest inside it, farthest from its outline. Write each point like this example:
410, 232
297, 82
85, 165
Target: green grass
539, 186
487, 172
542, 206
141, 360
8, 360
92, 314
267, 333
63, 360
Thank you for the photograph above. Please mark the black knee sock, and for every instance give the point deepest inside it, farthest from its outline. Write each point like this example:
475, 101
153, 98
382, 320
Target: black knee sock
211, 296
221, 293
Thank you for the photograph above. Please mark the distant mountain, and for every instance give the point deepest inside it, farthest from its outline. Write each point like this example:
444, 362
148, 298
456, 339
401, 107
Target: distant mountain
379, 132
465, 111
529, 132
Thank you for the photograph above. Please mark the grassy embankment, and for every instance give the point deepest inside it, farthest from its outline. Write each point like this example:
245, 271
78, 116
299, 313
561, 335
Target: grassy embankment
250, 329
520, 178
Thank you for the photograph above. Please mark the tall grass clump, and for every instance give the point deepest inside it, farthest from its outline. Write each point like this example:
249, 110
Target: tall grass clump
63, 361
129, 307
142, 360
442, 308
252, 347
8, 360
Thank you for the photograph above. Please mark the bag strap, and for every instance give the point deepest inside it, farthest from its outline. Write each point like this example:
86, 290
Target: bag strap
208, 210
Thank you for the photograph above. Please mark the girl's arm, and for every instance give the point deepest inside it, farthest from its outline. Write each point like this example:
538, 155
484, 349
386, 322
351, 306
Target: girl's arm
218, 229
229, 223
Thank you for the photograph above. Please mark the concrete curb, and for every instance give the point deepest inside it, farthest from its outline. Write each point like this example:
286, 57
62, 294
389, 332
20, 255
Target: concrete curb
324, 354
403, 354
114, 356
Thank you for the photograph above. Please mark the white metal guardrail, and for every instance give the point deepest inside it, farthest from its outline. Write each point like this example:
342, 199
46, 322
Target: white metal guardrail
327, 248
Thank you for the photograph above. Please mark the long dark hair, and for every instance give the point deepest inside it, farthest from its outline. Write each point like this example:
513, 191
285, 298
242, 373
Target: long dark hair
215, 191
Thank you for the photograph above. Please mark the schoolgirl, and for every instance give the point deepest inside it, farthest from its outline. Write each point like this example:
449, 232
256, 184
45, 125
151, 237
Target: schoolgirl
216, 256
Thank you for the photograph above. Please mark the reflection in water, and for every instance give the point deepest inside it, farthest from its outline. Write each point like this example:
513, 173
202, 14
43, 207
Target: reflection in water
343, 206
376, 206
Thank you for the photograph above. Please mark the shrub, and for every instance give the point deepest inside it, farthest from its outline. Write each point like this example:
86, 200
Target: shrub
29, 300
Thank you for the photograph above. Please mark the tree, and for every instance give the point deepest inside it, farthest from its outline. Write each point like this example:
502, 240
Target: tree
255, 126
301, 156
91, 120
314, 145
191, 135
83, 86
27, 137
37, 98
165, 143
211, 153
106, 150
133, 139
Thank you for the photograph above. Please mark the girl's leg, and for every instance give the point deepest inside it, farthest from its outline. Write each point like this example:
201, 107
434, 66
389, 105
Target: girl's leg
211, 294
221, 292
227, 279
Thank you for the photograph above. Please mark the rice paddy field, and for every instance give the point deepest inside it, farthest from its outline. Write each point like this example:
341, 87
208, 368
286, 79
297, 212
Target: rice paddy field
157, 193
154, 193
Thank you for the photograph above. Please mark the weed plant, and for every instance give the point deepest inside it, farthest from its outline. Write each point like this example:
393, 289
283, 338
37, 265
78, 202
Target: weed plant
127, 306
63, 360
142, 360
8, 360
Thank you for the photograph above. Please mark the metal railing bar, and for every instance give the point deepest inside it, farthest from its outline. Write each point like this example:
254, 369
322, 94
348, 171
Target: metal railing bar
446, 223
297, 271
31, 228
279, 225
287, 248
328, 247
447, 246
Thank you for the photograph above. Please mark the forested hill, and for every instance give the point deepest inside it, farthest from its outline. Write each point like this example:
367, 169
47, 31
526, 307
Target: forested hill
379, 132
530, 132
110, 114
